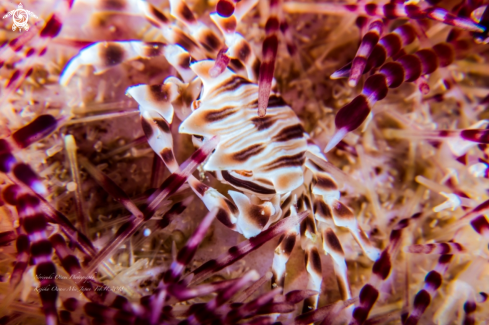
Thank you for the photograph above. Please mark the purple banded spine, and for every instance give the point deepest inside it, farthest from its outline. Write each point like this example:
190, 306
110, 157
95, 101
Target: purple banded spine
380, 272
225, 8
269, 52
7, 159
388, 46
407, 68
391, 10
188, 251
437, 248
481, 225
469, 309
210, 309
28, 177
432, 282
38, 129
22, 260
369, 40
222, 61
34, 224
169, 187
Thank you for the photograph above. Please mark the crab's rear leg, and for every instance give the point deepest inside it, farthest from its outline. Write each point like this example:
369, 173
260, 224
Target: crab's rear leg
285, 246
325, 187
309, 235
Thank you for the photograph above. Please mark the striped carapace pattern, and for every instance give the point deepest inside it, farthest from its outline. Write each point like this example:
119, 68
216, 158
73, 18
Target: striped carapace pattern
211, 101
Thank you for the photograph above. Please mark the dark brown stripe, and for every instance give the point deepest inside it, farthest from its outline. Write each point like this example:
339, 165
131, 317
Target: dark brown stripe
322, 209
167, 155
251, 151
152, 49
289, 133
210, 42
236, 65
113, 54
186, 13
231, 206
286, 161
162, 125
184, 41
231, 84
246, 184
244, 51
225, 218
333, 241
148, 130
325, 183
342, 211
159, 93
260, 220
158, 14
263, 123
288, 244
315, 260
112, 4
221, 114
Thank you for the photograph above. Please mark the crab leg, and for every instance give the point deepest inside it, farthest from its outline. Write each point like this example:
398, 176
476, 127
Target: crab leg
156, 113
308, 231
325, 187
282, 254
200, 32
238, 51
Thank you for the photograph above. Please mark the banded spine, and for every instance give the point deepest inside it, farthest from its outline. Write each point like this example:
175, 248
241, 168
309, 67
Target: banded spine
407, 68
269, 53
432, 282
369, 40
381, 270
389, 10
38, 48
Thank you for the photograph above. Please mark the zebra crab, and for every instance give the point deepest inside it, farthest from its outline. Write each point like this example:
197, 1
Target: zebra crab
272, 163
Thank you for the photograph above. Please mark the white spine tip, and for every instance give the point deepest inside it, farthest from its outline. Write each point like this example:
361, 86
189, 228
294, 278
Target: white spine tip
452, 202
337, 137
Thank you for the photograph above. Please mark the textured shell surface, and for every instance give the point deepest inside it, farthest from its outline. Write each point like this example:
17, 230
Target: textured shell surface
272, 148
